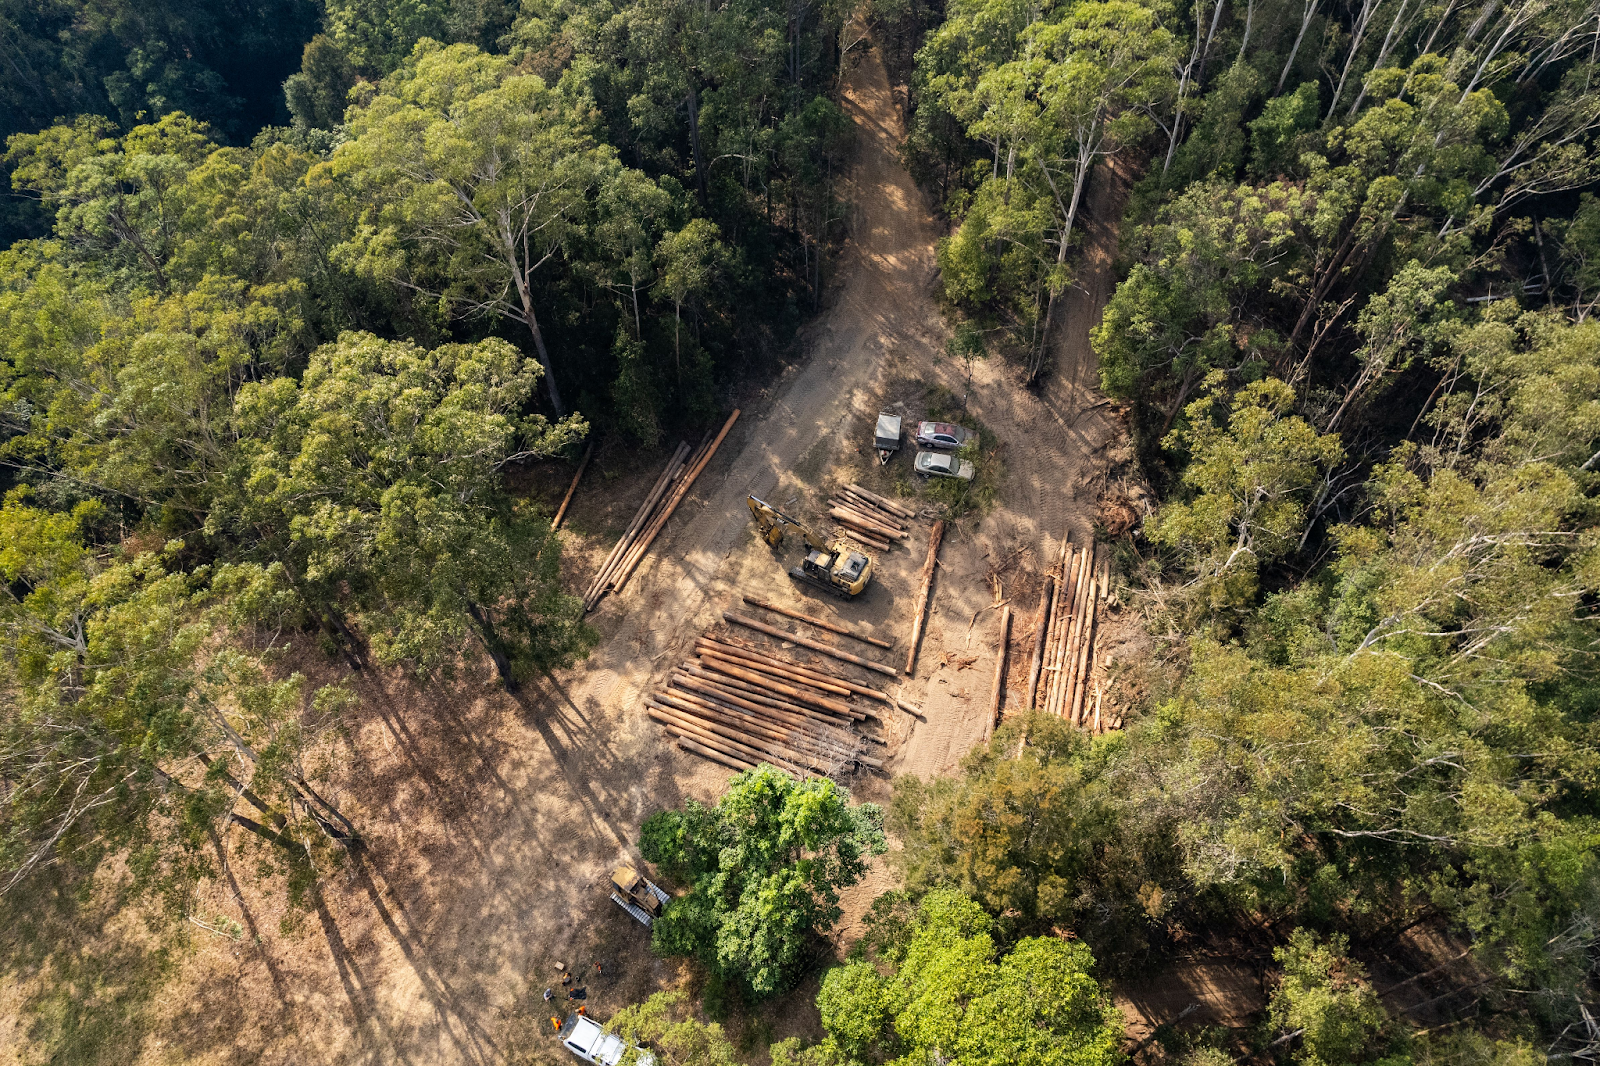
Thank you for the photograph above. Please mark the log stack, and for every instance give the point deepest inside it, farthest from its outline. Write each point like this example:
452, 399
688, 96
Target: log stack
869, 519
740, 704
1067, 688
669, 490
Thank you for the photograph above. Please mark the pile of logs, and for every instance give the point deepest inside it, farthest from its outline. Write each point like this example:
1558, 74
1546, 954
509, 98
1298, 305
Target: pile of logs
739, 705
669, 490
1059, 677
868, 518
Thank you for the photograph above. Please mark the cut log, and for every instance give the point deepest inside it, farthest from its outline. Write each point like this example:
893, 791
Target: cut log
1085, 648
1061, 695
832, 627
713, 735
807, 671
639, 519
802, 706
817, 679
806, 642
784, 672
997, 693
708, 716
1066, 599
934, 537
1041, 626
851, 502
881, 501
625, 570
749, 723
704, 752
820, 706
797, 730
697, 669
848, 520
583, 464
726, 748
1060, 605
761, 721
844, 532
860, 502
779, 686
851, 516
1069, 656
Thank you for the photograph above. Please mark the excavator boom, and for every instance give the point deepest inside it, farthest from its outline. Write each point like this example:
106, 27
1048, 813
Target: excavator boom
833, 567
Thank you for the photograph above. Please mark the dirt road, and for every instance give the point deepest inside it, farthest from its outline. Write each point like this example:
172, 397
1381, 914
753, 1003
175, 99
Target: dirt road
495, 820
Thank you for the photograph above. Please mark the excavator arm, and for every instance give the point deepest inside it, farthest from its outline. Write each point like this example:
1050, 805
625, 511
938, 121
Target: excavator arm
773, 524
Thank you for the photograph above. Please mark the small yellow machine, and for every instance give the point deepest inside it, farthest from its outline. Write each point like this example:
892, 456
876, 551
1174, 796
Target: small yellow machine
832, 567
637, 894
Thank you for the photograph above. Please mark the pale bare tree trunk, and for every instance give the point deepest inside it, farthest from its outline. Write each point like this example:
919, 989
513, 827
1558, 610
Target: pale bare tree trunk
1305, 22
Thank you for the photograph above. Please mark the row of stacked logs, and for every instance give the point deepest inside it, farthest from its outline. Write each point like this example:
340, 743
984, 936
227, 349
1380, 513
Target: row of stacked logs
1060, 675
738, 704
869, 519
669, 490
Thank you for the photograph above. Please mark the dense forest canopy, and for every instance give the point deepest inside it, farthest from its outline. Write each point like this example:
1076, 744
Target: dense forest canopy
1354, 329
275, 348
289, 291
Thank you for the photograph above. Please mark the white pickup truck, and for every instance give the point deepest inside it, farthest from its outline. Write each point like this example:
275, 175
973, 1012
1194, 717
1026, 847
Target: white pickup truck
585, 1038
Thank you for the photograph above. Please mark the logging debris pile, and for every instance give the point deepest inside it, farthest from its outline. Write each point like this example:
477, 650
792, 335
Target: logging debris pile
669, 490
869, 519
739, 703
1061, 675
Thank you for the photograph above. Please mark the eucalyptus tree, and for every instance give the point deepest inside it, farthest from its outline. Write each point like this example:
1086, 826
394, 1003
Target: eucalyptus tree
474, 180
141, 720
375, 481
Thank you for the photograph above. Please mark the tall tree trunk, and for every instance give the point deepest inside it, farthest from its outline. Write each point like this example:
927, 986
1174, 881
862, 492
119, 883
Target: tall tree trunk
1383, 56
1358, 35
1205, 53
1080, 176
1288, 64
694, 143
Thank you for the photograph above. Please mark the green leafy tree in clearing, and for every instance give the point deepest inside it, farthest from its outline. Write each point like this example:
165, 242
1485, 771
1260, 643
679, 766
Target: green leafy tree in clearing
765, 867
1252, 477
951, 994
375, 481
1033, 826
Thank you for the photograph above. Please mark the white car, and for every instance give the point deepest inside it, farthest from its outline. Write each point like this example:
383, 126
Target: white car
939, 464
585, 1038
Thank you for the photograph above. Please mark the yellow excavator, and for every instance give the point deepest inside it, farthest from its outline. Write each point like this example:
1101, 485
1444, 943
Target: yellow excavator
831, 567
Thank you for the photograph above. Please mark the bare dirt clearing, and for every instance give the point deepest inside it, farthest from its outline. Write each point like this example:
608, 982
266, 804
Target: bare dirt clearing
494, 820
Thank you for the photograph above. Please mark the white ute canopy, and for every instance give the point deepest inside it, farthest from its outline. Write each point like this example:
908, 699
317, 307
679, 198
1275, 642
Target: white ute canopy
588, 1040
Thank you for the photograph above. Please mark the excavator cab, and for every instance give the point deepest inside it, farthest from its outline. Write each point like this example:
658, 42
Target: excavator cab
831, 567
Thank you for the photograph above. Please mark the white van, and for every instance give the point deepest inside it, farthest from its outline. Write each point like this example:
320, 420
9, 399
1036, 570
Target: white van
584, 1037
